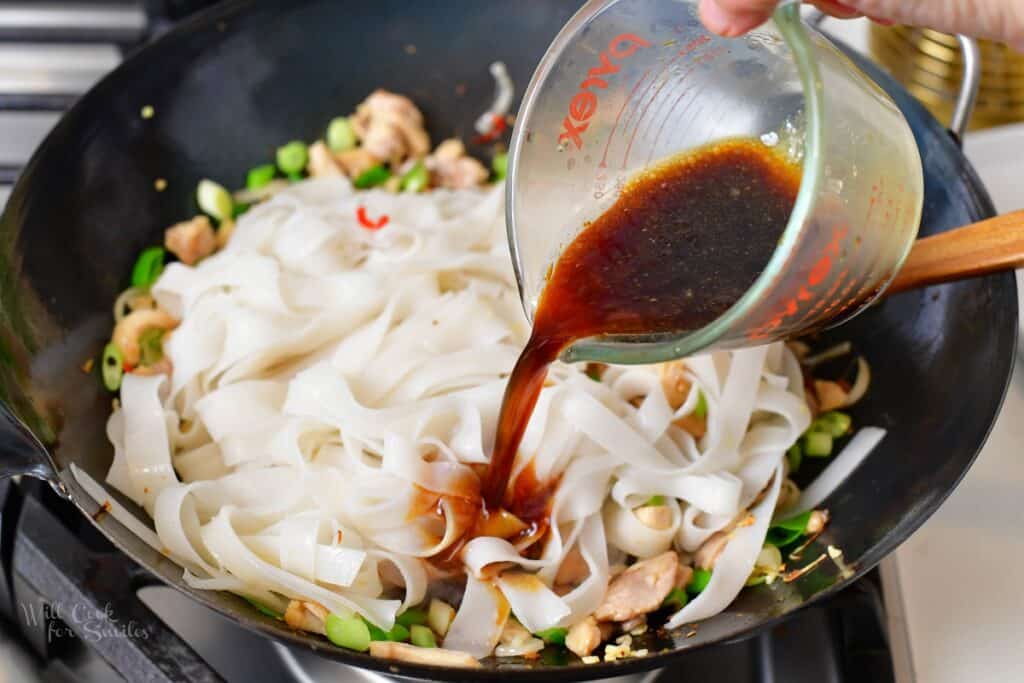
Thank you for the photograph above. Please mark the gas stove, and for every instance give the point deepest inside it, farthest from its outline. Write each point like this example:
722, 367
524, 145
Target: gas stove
73, 608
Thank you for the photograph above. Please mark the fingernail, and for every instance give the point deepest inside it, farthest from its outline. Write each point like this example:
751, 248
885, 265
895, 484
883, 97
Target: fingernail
715, 18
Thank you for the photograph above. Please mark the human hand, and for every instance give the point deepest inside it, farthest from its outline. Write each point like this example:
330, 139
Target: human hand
1001, 20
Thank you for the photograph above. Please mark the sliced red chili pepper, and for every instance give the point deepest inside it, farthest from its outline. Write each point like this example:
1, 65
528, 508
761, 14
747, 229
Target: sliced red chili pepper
498, 126
365, 221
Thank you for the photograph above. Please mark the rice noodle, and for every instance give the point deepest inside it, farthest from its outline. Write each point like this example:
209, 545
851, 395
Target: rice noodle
333, 387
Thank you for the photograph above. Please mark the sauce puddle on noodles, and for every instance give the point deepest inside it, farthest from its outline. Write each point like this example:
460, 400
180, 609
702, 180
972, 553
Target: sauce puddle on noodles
680, 246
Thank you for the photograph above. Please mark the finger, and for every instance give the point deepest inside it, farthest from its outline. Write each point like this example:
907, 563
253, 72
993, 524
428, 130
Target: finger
735, 17
836, 9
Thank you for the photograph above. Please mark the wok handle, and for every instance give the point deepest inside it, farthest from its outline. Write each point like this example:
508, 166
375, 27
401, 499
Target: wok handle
989, 246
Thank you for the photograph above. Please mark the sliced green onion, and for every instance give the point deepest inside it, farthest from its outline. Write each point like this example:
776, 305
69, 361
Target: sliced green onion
340, 134
294, 177
348, 632
263, 609
214, 200
698, 582
817, 444
499, 164
260, 176
422, 636
411, 616
372, 177
292, 157
654, 500
553, 636
756, 578
676, 599
833, 423
112, 367
398, 633
415, 179
701, 410
795, 456
787, 531
148, 267
151, 346
239, 209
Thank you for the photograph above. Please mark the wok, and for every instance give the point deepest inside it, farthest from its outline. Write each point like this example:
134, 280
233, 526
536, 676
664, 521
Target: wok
231, 84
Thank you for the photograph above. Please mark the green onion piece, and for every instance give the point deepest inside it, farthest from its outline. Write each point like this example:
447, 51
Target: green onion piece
294, 177
240, 209
553, 636
654, 500
112, 367
411, 616
151, 346
214, 200
292, 157
701, 410
499, 164
340, 134
698, 582
795, 456
422, 636
833, 423
787, 531
376, 634
756, 578
676, 599
372, 177
260, 176
148, 267
263, 609
415, 179
817, 444
398, 633
348, 632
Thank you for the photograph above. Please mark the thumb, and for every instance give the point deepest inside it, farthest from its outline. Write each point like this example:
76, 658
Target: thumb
735, 17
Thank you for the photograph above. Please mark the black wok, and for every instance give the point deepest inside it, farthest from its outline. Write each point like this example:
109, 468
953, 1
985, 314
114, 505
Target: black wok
231, 84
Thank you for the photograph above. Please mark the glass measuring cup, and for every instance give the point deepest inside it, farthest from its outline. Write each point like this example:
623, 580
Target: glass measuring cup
628, 83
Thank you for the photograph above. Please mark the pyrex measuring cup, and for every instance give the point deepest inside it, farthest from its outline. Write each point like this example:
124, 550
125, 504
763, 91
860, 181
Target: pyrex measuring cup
628, 83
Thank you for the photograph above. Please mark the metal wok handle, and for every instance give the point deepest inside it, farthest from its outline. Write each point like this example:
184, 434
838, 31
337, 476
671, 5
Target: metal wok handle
969, 86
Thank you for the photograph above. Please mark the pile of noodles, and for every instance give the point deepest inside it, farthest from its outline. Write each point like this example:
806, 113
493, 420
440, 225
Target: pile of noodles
325, 375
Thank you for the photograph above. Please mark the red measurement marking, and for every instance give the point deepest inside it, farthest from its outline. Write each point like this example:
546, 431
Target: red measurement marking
368, 223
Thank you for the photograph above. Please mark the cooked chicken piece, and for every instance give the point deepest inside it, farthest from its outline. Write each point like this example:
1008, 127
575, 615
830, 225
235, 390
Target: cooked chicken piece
191, 240
709, 551
830, 395
674, 383
634, 624
640, 589
390, 127
683, 575
322, 163
450, 167
573, 569
355, 161
583, 637
126, 333
306, 616
435, 656
657, 517
695, 426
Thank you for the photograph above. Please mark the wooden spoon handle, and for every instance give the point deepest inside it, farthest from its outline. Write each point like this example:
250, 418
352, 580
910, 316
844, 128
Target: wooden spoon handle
976, 249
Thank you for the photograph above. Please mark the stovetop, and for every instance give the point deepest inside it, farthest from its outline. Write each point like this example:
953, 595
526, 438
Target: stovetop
73, 608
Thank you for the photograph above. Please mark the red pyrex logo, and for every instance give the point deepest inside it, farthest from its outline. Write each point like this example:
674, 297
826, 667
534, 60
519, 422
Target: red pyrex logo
584, 103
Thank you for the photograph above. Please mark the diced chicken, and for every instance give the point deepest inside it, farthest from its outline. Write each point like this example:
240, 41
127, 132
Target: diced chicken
684, 573
191, 240
306, 616
657, 517
674, 383
126, 333
450, 167
583, 637
640, 589
435, 656
635, 624
355, 161
322, 163
707, 554
390, 127
697, 427
830, 395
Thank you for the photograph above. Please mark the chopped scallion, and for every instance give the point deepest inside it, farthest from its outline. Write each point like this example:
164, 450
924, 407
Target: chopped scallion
422, 636
372, 177
553, 636
260, 176
412, 616
348, 632
701, 410
833, 423
240, 209
415, 179
112, 367
676, 599
698, 582
795, 456
292, 158
654, 500
340, 134
787, 531
148, 267
817, 444
398, 633
263, 609
500, 166
214, 200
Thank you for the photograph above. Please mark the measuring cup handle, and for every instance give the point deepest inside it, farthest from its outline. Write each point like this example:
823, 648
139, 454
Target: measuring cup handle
969, 85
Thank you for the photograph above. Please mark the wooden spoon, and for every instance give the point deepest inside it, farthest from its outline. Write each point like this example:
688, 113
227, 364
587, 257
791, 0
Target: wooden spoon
981, 248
